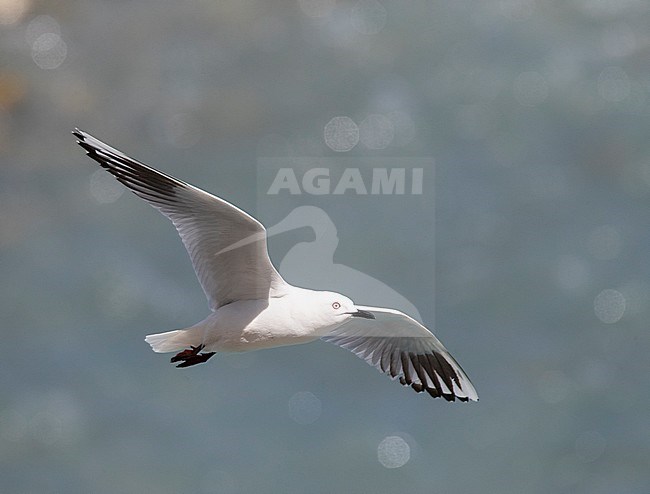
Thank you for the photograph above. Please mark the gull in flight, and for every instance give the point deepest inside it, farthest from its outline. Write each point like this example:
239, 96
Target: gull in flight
253, 308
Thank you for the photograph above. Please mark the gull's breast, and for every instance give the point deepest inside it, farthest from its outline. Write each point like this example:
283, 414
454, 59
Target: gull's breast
248, 325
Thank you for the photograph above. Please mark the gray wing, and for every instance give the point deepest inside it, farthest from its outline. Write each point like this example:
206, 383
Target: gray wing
401, 347
227, 246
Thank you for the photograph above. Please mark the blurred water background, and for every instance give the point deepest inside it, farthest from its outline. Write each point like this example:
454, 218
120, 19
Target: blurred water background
528, 253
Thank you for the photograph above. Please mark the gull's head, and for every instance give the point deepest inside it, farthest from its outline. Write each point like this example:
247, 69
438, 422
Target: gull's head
335, 309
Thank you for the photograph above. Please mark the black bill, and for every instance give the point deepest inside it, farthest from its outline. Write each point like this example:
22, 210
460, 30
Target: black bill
362, 313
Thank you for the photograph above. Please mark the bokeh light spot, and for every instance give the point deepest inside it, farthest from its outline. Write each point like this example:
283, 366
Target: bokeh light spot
49, 51
304, 407
609, 306
376, 131
12, 11
341, 134
393, 452
403, 126
39, 25
49, 418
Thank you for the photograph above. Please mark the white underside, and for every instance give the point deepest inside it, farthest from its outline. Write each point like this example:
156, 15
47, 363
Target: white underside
242, 326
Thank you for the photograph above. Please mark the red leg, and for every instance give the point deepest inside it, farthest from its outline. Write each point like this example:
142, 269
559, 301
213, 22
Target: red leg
191, 356
185, 354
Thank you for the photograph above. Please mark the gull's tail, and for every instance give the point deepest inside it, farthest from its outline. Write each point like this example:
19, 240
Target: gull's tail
173, 341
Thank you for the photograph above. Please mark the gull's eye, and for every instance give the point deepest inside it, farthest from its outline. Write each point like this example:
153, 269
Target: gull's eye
336, 306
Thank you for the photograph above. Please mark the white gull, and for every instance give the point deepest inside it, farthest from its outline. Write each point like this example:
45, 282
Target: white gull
254, 308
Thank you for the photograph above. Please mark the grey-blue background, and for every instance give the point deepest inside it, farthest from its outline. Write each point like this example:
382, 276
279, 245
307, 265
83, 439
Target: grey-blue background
531, 244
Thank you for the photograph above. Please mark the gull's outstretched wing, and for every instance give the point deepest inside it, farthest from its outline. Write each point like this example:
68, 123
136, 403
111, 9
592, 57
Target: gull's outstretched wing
401, 347
208, 226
